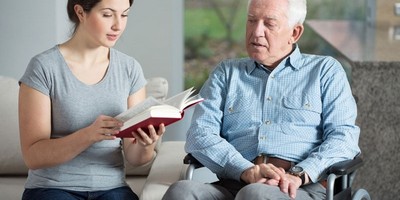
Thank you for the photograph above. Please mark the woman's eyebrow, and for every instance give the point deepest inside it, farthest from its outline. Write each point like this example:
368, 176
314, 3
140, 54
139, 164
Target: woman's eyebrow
113, 10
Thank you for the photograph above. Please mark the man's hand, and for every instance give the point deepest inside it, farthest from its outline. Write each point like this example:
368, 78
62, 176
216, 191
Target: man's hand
272, 175
289, 185
263, 173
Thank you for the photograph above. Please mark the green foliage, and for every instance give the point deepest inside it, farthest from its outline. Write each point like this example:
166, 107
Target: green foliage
196, 80
200, 21
196, 47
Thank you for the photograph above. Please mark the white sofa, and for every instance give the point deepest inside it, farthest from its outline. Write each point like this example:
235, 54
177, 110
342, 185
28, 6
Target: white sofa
149, 181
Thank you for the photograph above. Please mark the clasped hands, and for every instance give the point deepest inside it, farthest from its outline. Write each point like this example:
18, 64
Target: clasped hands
272, 175
105, 128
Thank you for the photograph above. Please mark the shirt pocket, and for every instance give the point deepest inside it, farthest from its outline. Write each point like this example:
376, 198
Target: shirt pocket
302, 108
237, 104
239, 113
303, 102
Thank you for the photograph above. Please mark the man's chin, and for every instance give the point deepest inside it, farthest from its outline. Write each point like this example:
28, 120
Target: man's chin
257, 57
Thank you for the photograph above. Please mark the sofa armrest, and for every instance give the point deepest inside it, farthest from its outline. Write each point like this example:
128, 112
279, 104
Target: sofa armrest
11, 161
167, 168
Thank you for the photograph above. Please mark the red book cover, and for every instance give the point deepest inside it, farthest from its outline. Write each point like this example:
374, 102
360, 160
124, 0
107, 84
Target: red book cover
155, 112
155, 121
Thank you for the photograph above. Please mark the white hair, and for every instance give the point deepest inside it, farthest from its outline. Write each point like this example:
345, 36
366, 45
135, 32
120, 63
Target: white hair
297, 11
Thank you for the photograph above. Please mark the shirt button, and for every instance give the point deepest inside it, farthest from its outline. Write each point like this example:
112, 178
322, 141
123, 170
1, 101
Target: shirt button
267, 122
230, 109
269, 98
272, 76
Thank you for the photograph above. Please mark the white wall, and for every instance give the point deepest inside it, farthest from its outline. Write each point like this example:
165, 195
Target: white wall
27, 28
154, 36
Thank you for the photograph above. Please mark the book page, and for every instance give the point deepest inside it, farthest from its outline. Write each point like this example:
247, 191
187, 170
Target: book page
178, 100
192, 100
135, 110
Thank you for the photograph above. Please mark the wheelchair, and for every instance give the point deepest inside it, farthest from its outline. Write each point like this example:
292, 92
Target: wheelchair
339, 180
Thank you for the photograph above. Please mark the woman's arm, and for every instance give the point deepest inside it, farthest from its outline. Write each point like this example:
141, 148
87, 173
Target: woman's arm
140, 149
38, 150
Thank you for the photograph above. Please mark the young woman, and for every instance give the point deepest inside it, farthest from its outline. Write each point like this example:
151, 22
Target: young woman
68, 97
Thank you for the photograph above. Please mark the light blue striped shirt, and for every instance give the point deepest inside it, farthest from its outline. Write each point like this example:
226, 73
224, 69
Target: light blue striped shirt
303, 111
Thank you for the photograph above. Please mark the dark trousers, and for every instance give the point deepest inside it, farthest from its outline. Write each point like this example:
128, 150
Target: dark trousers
125, 193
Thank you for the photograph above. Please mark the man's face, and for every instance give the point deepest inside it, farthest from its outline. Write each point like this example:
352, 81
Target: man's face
268, 35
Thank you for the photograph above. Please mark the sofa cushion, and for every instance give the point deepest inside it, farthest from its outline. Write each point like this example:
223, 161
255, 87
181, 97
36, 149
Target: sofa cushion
168, 168
157, 87
11, 161
12, 187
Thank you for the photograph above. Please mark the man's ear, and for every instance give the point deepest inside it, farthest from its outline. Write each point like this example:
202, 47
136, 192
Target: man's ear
79, 12
296, 34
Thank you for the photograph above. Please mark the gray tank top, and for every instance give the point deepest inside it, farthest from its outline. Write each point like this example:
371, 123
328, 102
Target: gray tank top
76, 105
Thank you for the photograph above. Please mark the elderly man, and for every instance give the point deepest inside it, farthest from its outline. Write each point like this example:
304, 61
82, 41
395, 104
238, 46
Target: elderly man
272, 123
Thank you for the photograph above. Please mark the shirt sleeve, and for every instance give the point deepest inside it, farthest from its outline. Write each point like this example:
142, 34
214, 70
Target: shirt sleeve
37, 77
339, 112
137, 78
203, 138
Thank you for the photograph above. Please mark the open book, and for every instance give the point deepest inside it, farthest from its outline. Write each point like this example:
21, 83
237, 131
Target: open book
155, 112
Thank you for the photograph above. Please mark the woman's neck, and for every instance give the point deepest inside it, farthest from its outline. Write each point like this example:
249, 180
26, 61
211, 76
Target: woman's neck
89, 64
77, 51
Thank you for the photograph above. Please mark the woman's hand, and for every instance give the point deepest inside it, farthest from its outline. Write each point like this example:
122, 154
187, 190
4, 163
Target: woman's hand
140, 149
103, 128
149, 138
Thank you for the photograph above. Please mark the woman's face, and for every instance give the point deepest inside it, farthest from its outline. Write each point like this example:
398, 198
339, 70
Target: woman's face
105, 23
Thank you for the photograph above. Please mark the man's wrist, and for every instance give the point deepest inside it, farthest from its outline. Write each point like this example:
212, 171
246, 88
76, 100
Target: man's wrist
303, 179
244, 176
298, 172
306, 179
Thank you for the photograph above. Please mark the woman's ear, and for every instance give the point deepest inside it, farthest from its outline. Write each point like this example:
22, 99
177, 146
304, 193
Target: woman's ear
296, 34
79, 12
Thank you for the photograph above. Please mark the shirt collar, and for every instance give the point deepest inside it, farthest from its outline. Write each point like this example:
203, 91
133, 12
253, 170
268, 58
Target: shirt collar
251, 66
293, 60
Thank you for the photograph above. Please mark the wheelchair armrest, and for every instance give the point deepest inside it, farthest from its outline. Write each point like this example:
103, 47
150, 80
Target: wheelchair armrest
193, 164
346, 167
190, 160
